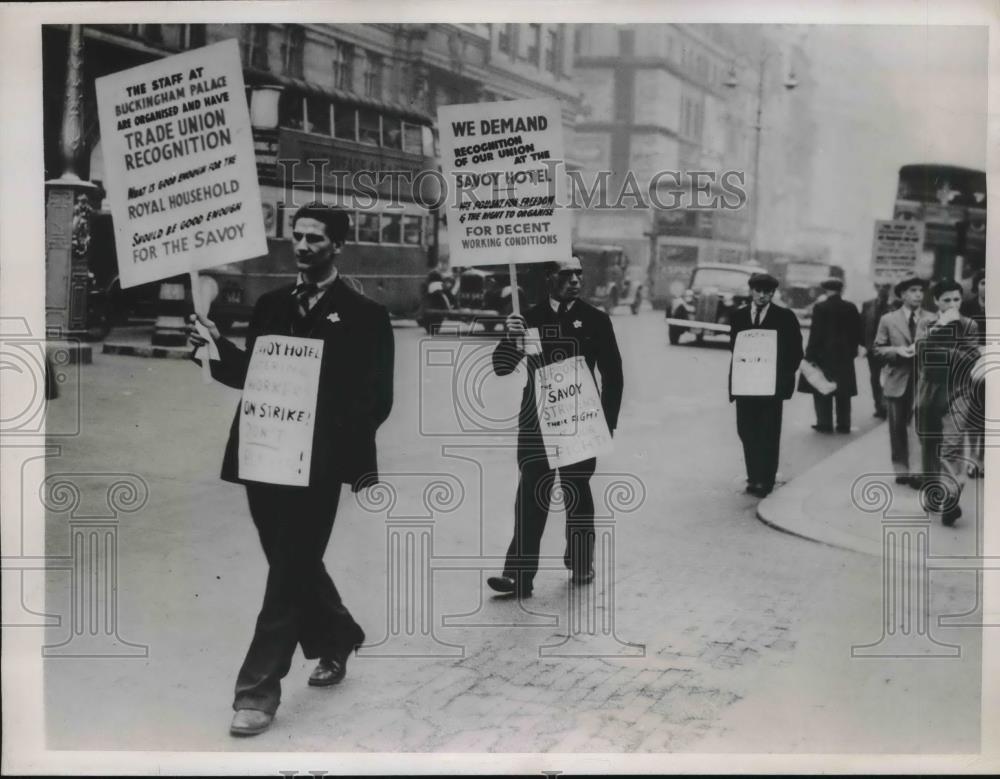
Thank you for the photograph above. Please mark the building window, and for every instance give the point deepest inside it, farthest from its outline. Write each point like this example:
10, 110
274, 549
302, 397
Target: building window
345, 122
392, 228
292, 50
534, 43
369, 126
368, 228
343, 66
373, 75
412, 230
505, 39
578, 39
626, 43
317, 117
253, 45
551, 50
290, 112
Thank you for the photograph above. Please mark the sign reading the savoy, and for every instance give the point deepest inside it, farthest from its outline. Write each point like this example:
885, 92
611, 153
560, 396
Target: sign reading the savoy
500, 163
180, 166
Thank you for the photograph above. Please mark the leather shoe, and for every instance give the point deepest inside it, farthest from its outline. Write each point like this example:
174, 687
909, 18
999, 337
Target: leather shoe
754, 488
822, 429
508, 586
250, 722
586, 577
948, 517
329, 670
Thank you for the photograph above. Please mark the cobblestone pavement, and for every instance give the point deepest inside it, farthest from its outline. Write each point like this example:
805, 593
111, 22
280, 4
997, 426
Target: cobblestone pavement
720, 624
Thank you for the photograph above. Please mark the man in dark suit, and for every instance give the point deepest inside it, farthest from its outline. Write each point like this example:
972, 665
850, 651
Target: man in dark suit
568, 327
834, 339
871, 312
301, 603
758, 417
974, 307
947, 346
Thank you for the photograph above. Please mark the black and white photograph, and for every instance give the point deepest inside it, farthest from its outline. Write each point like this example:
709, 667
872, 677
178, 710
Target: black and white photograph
537, 389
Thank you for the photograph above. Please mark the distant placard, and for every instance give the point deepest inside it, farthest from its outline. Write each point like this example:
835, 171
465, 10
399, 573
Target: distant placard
755, 362
180, 168
896, 250
502, 195
278, 410
570, 415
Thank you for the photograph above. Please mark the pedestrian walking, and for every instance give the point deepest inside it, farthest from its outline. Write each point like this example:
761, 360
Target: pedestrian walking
835, 338
947, 348
301, 603
568, 327
872, 312
758, 417
974, 307
894, 346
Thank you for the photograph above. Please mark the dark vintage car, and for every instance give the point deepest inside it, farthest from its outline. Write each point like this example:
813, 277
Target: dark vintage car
713, 294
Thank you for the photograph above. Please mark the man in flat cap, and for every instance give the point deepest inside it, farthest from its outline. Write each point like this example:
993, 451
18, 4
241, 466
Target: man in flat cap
947, 348
834, 338
758, 417
894, 345
567, 327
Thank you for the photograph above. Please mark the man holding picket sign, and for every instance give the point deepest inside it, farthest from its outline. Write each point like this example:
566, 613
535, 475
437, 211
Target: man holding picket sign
317, 378
555, 400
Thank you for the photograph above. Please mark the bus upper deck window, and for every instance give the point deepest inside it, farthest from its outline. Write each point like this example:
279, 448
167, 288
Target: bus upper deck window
413, 139
317, 115
345, 122
368, 227
392, 133
369, 126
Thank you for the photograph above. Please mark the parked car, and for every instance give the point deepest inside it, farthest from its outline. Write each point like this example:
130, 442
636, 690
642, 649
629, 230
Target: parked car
707, 305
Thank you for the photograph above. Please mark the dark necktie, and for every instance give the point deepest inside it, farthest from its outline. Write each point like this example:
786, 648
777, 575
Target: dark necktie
756, 317
302, 294
563, 308
913, 325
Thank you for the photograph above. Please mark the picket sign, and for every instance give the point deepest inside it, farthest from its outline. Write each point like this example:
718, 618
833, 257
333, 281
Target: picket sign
570, 415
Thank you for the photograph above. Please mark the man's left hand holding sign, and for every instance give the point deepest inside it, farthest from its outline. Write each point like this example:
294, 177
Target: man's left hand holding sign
347, 339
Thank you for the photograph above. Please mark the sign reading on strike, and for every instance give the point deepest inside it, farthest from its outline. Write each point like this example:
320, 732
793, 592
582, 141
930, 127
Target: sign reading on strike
755, 362
504, 184
179, 164
570, 415
278, 410
896, 250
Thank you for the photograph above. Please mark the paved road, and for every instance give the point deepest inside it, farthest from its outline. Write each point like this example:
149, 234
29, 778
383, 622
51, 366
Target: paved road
727, 635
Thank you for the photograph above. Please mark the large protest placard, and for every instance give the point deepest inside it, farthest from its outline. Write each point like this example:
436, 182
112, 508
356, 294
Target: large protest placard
570, 415
755, 362
180, 169
278, 410
504, 186
896, 250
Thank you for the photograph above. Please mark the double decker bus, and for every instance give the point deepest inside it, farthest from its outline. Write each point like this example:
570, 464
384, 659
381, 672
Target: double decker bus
338, 147
951, 202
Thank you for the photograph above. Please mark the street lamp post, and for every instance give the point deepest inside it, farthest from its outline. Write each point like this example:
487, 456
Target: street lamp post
732, 82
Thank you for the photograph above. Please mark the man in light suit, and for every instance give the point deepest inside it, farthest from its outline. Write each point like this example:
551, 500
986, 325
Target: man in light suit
301, 604
758, 418
947, 348
872, 312
894, 345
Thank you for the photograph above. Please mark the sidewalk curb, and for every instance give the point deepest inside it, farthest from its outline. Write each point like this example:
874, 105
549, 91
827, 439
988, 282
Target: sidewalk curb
781, 510
131, 350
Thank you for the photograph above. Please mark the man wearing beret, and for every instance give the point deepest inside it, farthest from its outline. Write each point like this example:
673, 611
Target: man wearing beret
834, 339
301, 603
568, 327
894, 345
758, 417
